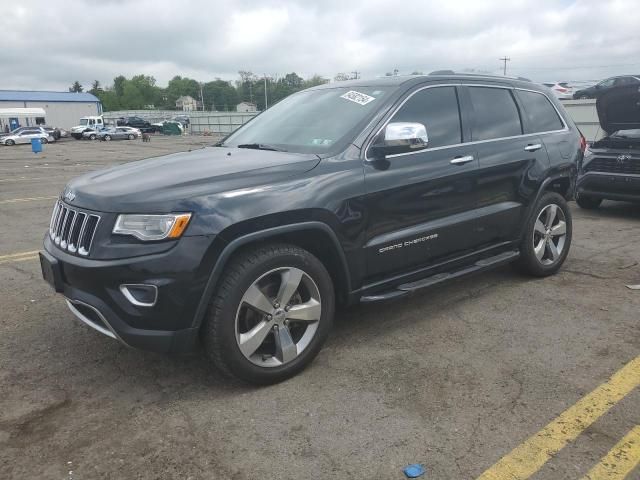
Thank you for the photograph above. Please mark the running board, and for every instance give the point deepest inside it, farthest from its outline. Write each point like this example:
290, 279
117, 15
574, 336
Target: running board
407, 288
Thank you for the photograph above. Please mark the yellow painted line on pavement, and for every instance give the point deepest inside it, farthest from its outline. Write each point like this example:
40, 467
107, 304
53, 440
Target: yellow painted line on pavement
621, 459
527, 458
19, 257
29, 199
27, 179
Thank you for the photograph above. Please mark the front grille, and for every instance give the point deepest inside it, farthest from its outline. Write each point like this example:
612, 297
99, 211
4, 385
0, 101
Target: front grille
629, 166
72, 230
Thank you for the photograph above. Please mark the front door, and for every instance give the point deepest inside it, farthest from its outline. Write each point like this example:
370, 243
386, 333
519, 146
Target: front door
420, 203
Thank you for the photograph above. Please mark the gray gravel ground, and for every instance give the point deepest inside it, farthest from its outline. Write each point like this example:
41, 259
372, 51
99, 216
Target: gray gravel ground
453, 378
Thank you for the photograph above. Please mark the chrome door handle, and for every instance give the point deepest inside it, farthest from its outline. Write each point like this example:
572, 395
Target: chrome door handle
533, 148
462, 160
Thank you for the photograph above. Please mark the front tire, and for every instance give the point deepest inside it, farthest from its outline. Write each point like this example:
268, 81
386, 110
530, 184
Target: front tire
131, 136
107, 138
588, 203
92, 137
10, 143
270, 315
547, 238
44, 140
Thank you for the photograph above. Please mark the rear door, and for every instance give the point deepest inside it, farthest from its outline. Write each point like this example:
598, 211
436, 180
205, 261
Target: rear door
509, 162
420, 204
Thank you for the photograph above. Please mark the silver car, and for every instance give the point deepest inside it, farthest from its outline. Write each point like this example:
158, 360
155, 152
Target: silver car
26, 135
118, 133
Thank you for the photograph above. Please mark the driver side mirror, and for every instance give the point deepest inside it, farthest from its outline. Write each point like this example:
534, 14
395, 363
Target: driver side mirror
400, 137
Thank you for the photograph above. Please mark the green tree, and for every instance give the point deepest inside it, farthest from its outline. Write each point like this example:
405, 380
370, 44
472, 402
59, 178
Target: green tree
314, 81
76, 87
118, 85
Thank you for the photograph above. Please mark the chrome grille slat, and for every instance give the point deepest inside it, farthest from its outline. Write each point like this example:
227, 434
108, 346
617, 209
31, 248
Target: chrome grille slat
73, 230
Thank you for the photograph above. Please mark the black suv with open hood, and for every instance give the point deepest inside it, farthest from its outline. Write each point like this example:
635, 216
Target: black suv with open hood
611, 165
352, 192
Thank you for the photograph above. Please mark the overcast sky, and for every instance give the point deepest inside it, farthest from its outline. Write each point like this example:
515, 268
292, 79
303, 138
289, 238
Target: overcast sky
49, 44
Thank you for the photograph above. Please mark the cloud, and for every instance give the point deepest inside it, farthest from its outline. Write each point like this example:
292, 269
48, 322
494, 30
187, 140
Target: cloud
48, 45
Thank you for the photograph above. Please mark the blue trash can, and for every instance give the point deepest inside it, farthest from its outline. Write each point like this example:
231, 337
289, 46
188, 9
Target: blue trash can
36, 145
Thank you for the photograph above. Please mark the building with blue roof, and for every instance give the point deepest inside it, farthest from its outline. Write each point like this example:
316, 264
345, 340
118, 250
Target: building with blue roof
62, 109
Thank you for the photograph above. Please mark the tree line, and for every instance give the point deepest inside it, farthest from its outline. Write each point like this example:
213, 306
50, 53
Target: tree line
141, 91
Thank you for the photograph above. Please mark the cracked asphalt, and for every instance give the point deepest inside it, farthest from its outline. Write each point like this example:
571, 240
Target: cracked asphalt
453, 378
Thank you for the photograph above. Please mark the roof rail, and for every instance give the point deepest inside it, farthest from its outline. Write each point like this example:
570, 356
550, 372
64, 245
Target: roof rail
451, 72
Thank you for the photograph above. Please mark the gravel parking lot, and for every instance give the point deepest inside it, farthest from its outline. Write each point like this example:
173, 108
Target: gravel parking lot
454, 378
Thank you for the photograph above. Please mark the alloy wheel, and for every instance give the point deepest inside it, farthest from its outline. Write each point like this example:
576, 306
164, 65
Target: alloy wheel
278, 317
549, 234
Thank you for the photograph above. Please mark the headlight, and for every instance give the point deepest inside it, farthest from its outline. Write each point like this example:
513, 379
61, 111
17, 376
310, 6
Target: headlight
152, 227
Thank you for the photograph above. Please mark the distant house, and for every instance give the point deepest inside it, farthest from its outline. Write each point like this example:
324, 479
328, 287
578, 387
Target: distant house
245, 107
186, 103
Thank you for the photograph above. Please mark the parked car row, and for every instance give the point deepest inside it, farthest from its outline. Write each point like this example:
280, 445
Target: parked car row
112, 133
565, 91
26, 134
606, 85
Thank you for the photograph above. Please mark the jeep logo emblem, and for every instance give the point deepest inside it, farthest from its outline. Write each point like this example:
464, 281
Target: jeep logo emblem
623, 158
69, 195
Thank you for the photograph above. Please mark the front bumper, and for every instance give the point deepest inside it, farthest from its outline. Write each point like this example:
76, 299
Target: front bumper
611, 186
93, 293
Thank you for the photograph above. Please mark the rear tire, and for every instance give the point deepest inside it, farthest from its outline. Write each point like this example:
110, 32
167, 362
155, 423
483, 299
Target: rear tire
248, 334
44, 140
588, 203
107, 138
547, 237
92, 137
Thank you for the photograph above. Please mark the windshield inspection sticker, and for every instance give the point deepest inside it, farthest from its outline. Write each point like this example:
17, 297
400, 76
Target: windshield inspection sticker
357, 97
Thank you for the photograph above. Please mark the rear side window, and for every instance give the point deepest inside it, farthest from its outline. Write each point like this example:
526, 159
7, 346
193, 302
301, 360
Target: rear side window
496, 113
540, 114
437, 109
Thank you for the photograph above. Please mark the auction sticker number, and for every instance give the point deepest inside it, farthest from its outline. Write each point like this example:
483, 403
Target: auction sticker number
357, 97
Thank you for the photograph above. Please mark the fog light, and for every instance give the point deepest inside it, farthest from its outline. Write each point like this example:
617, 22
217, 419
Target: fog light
139, 294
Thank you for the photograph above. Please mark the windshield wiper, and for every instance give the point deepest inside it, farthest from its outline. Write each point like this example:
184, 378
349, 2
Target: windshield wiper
261, 146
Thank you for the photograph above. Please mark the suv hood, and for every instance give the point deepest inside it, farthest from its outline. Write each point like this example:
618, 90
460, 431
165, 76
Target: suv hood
173, 182
619, 109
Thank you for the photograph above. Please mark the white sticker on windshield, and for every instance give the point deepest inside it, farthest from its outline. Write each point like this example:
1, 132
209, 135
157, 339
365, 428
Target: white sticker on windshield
357, 97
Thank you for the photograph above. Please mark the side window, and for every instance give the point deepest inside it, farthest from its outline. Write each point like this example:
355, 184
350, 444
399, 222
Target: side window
437, 109
540, 114
40, 121
496, 114
607, 83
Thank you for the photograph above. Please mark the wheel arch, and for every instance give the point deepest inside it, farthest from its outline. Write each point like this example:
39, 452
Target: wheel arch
326, 248
561, 183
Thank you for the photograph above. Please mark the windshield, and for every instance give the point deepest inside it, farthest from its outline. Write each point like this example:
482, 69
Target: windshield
314, 121
84, 121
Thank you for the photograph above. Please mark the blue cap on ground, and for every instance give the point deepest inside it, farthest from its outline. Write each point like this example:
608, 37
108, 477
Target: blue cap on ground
413, 471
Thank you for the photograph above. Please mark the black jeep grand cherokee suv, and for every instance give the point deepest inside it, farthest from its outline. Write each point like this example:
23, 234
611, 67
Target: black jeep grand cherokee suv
350, 192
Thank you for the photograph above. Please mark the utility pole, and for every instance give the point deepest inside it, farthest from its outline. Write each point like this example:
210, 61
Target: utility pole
505, 59
265, 91
201, 96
